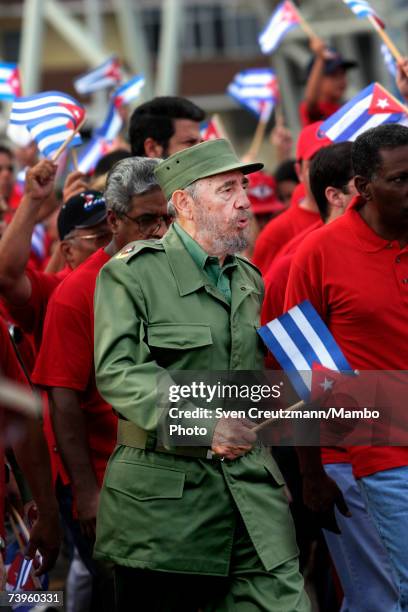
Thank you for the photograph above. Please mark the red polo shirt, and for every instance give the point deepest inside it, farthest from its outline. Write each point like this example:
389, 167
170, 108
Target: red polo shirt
66, 355
280, 230
358, 282
321, 111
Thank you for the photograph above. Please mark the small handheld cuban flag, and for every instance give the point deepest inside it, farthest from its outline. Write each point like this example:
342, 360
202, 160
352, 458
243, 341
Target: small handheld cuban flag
10, 86
107, 74
370, 108
50, 117
282, 21
212, 129
129, 91
100, 143
389, 60
363, 9
257, 90
299, 339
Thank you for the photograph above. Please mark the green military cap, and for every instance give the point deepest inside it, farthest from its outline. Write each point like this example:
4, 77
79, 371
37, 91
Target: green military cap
204, 159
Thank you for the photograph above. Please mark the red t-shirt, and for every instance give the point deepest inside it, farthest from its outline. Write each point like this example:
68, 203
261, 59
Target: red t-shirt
357, 281
30, 316
66, 355
10, 368
280, 230
321, 111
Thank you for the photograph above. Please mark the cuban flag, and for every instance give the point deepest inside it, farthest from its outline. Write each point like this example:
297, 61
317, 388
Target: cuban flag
257, 90
210, 130
389, 60
370, 108
129, 91
50, 118
282, 21
10, 85
300, 340
363, 9
107, 74
100, 143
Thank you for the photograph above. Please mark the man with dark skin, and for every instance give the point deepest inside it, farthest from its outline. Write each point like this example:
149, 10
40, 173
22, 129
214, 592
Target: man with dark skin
366, 311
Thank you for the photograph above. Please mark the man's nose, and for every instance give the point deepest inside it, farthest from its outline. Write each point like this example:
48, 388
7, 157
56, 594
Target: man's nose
243, 200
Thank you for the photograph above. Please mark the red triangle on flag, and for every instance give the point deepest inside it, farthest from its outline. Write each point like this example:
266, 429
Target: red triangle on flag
383, 102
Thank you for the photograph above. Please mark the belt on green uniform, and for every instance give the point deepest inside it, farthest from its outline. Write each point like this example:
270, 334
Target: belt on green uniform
130, 434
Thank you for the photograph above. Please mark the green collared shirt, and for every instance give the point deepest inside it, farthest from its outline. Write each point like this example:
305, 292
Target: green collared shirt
217, 275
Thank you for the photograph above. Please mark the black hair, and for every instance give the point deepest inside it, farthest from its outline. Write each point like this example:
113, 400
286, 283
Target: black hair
107, 161
330, 167
366, 149
6, 151
154, 119
286, 171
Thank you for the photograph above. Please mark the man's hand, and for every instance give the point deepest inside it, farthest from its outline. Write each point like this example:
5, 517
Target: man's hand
321, 495
402, 77
319, 48
233, 438
281, 138
87, 507
39, 182
45, 536
74, 183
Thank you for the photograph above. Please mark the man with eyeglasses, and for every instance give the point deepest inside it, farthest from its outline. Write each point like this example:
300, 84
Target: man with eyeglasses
84, 423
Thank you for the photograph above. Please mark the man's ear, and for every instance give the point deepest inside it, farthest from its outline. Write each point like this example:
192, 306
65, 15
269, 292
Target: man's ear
113, 221
363, 186
333, 196
183, 203
66, 250
152, 148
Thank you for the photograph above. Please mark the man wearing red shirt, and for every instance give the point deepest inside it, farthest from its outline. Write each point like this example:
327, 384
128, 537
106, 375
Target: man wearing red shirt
84, 423
32, 456
303, 210
326, 83
355, 273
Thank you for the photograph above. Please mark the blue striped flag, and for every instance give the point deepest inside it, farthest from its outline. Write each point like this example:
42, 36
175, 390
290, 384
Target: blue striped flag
370, 108
282, 21
129, 91
389, 60
257, 90
363, 9
107, 74
101, 140
50, 118
299, 339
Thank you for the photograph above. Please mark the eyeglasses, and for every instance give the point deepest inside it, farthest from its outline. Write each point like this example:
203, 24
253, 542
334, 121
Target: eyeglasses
150, 223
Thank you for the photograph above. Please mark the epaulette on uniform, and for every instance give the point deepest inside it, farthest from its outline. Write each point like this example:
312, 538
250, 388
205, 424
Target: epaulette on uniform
137, 247
247, 261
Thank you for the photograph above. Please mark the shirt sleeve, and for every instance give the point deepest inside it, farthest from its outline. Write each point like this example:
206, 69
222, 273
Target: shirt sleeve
66, 355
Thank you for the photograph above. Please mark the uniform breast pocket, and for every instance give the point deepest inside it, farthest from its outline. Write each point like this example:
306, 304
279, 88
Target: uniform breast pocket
180, 346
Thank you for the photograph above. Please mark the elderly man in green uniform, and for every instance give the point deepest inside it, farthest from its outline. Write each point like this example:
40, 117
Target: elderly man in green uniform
205, 527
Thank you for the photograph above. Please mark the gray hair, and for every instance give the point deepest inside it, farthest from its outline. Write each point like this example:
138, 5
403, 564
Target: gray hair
191, 190
127, 178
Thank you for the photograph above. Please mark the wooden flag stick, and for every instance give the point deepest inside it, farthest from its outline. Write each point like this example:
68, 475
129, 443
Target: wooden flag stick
14, 396
386, 39
304, 24
74, 156
67, 141
264, 424
257, 139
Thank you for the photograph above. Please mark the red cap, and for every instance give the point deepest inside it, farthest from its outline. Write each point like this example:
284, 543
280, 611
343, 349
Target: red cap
262, 194
310, 142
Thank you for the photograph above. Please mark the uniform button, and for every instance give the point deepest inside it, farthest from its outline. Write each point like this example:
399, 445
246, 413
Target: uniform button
389, 245
398, 260
405, 281
55, 449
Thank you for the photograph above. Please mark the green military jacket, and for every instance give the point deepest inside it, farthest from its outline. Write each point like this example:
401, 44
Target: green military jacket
155, 309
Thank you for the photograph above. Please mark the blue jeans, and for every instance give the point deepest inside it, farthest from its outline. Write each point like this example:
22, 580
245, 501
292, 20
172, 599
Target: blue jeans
386, 497
358, 554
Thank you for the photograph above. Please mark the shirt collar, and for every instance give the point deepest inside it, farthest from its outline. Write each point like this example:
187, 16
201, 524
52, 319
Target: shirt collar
368, 239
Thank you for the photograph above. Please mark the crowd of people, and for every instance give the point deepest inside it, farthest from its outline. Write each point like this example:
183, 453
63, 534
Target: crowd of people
168, 257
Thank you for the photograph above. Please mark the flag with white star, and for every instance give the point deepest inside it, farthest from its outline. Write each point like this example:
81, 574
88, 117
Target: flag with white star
300, 339
370, 108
